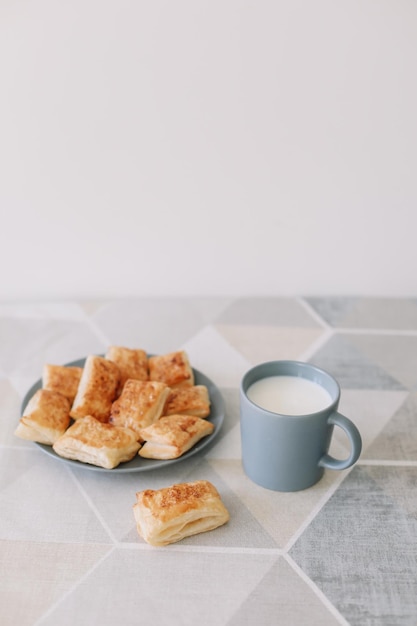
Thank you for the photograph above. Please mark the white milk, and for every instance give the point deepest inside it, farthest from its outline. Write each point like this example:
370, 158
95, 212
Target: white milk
289, 395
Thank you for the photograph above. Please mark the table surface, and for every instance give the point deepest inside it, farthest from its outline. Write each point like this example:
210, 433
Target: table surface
341, 552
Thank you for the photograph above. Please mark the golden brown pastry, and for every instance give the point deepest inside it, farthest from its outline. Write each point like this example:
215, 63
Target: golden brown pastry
171, 436
62, 378
97, 389
45, 418
170, 514
131, 363
139, 405
174, 369
188, 401
90, 441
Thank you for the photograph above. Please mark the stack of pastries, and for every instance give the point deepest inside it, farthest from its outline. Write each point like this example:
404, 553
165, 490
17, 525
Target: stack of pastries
117, 406
124, 404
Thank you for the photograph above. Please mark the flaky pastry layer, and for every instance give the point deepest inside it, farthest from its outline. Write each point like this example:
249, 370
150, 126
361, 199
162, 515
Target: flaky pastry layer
188, 401
97, 389
174, 369
45, 418
132, 363
90, 441
170, 514
62, 378
171, 436
139, 405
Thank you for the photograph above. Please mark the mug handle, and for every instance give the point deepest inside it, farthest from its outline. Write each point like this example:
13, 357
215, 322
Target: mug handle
336, 419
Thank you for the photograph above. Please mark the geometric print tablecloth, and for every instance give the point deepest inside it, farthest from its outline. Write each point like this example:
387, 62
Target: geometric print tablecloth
341, 552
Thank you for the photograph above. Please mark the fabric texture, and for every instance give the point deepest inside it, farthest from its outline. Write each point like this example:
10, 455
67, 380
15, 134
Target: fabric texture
342, 552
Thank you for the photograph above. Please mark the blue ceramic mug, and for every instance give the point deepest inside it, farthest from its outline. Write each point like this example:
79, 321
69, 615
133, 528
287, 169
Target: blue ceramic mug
289, 451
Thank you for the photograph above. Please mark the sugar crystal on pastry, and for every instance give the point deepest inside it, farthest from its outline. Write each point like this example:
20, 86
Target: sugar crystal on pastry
139, 405
173, 435
45, 418
188, 401
172, 513
132, 363
90, 441
97, 389
62, 378
174, 369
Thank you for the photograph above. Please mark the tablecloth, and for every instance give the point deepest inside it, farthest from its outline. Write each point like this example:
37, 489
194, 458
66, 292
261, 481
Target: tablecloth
341, 552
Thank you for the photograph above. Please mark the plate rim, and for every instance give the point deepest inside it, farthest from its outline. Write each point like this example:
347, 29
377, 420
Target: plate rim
216, 399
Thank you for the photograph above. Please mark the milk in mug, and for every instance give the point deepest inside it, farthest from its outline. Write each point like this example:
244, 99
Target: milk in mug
289, 395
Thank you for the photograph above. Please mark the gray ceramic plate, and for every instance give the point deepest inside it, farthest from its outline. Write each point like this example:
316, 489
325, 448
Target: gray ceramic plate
138, 464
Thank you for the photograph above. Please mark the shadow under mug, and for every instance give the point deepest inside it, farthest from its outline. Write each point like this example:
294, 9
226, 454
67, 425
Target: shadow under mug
287, 452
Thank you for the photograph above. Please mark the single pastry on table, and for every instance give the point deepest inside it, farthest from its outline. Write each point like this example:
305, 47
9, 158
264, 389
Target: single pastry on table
171, 436
97, 389
45, 418
90, 441
139, 405
188, 401
132, 363
174, 369
172, 513
62, 378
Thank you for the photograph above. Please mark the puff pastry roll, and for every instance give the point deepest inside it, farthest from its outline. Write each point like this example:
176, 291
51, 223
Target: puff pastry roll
62, 378
97, 389
45, 418
90, 441
170, 514
139, 405
171, 436
188, 401
131, 363
174, 369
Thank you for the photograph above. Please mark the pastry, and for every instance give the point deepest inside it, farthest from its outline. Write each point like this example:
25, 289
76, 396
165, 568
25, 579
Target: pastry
45, 418
62, 378
172, 435
90, 441
131, 363
97, 389
170, 514
139, 405
188, 401
174, 369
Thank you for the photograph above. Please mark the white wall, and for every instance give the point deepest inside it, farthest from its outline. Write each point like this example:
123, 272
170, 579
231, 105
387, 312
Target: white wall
208, 147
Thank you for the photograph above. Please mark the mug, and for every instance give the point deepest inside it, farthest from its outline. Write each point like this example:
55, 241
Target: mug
287, 451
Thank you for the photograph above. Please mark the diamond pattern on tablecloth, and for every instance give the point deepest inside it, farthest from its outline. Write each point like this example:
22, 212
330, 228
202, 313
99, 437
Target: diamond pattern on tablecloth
270, 343
33, 342
377, 372
395, 354
398, 439
179, 590
280, 312
361, 548
213, 355
372, 313
282, 598
64, 513
264, 329
371, 410
157, 325
333, 310
281, 515
342, 357
37, 574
